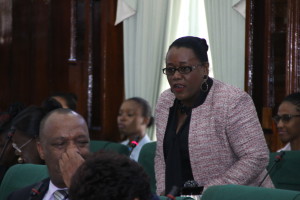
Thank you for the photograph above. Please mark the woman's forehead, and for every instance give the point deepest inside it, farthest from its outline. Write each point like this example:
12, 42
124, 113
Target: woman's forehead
181, 55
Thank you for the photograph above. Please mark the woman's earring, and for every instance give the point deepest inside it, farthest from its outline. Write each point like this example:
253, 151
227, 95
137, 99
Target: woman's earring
21, 160
204, 85
18, 153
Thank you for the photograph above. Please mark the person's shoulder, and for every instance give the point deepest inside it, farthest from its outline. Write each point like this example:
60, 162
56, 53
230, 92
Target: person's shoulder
146, 139
164, 102
166, 97
154, 197
287, 147
23, 193
220, 85
125, 142
39, 188
225, 89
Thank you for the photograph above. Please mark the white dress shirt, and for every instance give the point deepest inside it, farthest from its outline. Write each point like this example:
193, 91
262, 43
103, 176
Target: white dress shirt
52, 188
136, 151
287, 147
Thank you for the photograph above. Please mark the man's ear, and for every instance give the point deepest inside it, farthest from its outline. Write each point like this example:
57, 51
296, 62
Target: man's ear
40, 149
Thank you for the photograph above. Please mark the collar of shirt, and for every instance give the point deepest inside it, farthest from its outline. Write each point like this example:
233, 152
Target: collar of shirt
51, 190
287, 147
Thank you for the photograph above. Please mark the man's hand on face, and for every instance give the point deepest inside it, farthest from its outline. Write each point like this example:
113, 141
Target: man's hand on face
69, 163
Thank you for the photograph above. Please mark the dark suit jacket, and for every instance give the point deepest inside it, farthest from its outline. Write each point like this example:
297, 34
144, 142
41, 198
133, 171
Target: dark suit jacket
35, 191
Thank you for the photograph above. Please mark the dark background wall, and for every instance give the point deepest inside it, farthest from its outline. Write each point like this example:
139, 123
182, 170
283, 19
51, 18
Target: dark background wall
65, 46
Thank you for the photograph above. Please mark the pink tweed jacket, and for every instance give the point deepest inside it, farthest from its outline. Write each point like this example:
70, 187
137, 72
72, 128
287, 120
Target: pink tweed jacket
226, 141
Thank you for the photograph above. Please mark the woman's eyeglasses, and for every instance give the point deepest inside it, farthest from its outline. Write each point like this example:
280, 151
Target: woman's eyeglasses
284, 118
182, 70
18, 150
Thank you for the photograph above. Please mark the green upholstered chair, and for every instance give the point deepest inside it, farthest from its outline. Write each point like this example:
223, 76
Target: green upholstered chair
21, 175
242, 192
96, 145
286, 173
146, 159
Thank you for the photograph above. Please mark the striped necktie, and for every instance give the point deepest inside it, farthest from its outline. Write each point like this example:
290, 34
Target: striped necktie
60, 195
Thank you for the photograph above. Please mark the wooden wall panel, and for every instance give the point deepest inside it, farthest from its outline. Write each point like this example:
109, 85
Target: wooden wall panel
78, 56
59, 44
21, 78
38, 66
39, 51
5, 51
272, 58
108, 90
36, 61
254, 52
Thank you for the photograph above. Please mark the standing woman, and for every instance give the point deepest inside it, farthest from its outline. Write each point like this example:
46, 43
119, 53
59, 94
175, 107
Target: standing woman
207, 131
133, 120
288, 122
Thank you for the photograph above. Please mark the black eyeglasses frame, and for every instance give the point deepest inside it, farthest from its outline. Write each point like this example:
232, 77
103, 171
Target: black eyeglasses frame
284, 118
181, 69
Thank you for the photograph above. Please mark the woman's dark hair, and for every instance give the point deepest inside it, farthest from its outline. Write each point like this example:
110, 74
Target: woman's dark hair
146, 108
293, 98
28, 121
7, 116
198, 45
70, 98
110, 176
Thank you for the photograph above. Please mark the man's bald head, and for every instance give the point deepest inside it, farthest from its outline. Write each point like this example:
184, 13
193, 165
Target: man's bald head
55, 117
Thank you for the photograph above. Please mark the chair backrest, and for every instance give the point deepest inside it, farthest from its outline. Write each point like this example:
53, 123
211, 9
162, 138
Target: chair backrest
285, 174
146, 159
21, 175
96, 145
238, 192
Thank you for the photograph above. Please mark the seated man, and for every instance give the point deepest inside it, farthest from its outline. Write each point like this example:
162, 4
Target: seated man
63, 144
110, 176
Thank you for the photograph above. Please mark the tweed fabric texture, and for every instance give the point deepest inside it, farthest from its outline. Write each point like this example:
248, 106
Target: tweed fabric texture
226, 141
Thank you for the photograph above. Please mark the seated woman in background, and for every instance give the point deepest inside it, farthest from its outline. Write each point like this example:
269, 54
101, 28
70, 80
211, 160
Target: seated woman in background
133, 120
5, 129
288, 122
24, 128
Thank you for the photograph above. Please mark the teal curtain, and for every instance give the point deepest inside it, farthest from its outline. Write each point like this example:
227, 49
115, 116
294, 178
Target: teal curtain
226, 29
144, 36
